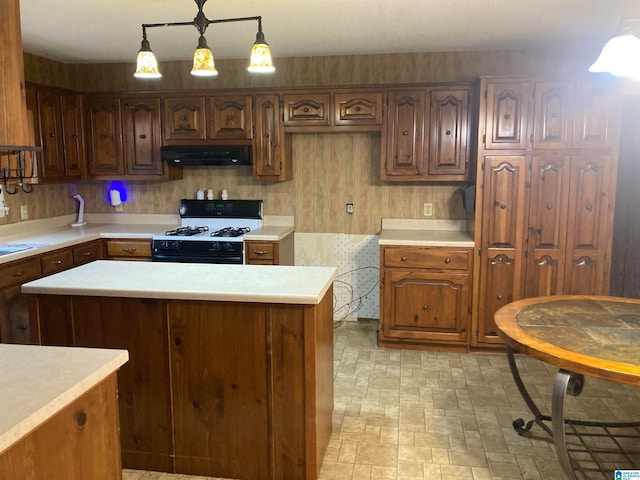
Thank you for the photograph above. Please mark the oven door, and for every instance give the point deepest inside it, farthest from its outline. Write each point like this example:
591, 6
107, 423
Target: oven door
186, 251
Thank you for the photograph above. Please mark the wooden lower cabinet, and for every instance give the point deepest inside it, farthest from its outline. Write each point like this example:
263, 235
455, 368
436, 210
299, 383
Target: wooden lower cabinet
224, 389
14, 308
78, 443
127, 249
425, 296
258, 252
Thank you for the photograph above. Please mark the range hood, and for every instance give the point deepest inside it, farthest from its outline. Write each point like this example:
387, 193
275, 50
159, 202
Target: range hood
206, 155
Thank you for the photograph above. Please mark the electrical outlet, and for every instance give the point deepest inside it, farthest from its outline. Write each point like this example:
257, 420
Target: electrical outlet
349, 208
428, 209
24, 212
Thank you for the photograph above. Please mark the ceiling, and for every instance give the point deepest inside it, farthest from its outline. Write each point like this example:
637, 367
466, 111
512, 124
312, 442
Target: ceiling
101, 31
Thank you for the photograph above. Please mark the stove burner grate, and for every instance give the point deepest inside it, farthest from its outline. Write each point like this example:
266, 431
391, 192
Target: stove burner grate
186, 231
230, 232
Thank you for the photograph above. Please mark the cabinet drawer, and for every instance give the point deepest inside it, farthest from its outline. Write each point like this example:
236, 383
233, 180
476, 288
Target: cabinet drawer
56, 261
129, 248
358, 108
416, 257
19, 272
86, 253
260, 251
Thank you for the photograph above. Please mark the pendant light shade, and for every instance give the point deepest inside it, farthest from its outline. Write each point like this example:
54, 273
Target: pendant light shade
203, 64
621, 55
146, 64
260, 54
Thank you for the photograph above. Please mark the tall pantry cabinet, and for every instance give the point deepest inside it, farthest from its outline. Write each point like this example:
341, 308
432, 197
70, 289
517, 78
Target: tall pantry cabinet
547, 164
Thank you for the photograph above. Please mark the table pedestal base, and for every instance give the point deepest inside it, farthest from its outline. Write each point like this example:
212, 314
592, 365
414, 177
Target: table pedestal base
595, 446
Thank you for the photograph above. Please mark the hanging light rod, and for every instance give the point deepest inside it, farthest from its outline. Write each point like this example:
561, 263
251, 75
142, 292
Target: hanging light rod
203, 63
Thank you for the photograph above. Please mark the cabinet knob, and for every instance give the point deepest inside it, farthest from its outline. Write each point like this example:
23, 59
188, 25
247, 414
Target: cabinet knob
507, 116
19, 274
177, 340
589, 207
549, 206
23, 327
403, 259
183, 118
229, 117
266, 135
405, 133
499, 297
52, 135
103, 136
75, 135
503, 206
425, 307
305, 109
143, 136
447, 261
358, 109
448, 132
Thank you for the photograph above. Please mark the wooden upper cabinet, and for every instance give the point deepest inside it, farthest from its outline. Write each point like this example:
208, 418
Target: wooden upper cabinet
307, 110
184, 118
448, 152
352, 109
141, 134
51, 133
270, 159
507, 111
403, 136
104, 135
552, 127
230, 117
597, 113
73, 134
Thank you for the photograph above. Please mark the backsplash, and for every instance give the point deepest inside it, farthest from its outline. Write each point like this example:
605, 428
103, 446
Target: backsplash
329, 170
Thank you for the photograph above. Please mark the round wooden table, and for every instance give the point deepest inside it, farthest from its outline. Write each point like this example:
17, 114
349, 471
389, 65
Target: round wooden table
596, 336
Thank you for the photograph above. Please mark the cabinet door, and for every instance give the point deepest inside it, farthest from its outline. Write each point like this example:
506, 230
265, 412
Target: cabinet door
424, 306
52, 136
448, 151
184, 118
351, 109
597, 113
404, 136
139, 326
141, 135
268, 144
14, 316
230, 117
219, 374
504, 212
307, 110
548, 205
507, 111
552, 125
590, 220
73, 132
104, 136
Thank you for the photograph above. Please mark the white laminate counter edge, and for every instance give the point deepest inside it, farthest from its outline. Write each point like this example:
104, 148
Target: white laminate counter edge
37, 382
273, 233
190, 281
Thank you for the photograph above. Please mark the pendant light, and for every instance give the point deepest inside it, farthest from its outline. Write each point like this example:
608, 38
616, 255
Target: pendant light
147, 64
203, 63
260, 54
621, 55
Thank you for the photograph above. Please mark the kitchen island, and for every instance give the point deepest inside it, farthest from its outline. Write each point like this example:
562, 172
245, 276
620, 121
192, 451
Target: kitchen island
59, 413
231, 370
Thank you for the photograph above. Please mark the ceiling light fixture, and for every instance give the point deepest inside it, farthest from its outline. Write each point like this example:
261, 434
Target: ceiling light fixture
203, 64
621, 55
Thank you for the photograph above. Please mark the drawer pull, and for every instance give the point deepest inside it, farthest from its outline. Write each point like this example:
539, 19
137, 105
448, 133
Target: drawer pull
403, 259
499, 297
260, 252
23, 327
57, 262
129, 250
447, 261
425, 307
86, 254
19, 274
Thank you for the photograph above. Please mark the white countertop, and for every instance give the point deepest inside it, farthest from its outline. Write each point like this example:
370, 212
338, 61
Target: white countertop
190, 281
50, 234
37, 382
425, 233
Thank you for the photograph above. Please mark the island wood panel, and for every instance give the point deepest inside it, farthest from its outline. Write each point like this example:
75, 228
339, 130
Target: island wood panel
80, 442
219, 376
139, 326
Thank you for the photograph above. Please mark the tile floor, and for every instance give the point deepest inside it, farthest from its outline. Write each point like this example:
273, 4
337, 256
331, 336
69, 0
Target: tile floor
415, 415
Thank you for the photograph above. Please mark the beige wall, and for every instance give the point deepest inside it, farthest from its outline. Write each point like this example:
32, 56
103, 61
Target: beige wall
329, 169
